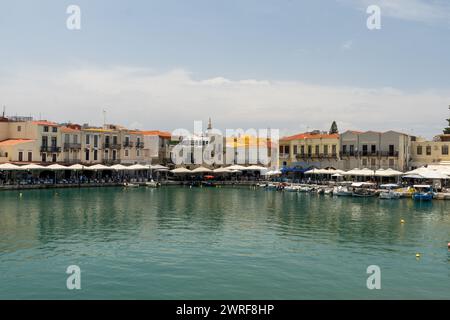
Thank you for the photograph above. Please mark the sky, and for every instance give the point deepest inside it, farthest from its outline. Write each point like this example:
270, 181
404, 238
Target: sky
292, 65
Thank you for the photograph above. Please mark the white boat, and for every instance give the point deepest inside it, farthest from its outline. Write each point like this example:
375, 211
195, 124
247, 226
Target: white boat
304, 189
292, 188
388, 191
328, 191
391, 194
130, 185
342, 191
152, 184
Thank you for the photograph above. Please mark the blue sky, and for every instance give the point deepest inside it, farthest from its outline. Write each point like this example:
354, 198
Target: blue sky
280, 44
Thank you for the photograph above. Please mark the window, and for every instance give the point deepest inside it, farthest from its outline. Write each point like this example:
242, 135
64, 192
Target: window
138, 152
75, 138
95, 155
419, 150
44, 141
86, 154
114, 155
44, 157
54, 142
444, 149
364, 162
317, 149
364, 149
30, 156
115, 140
372, 162
66, 138
428, 150
373, 149
281, 149
302, 149
19, 128
352, 149
391, 163
126, 153
88, 139
344, 148
96, 141
333, 149
391, 150
45, 129
295, 149
286, 149
54, 157
54, 129
309, 150
20, 156
325, 149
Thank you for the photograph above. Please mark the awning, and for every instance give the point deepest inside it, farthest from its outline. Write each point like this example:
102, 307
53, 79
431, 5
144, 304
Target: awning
32, 166
56, 167
201, 170
9, 167
181, 170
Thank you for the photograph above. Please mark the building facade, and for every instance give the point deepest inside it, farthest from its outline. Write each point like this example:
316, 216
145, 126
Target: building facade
310, 149
434, 152
375, 150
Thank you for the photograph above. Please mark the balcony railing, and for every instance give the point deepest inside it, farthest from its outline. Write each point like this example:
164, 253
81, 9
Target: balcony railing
50, 149
72, 146
112, 146
72, 161
128, 144
369, 154
139, 145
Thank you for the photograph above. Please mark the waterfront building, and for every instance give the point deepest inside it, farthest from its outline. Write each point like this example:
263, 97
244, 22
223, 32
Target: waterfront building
24, 140
154, 146
310, 149
424, 153
375, 150
71, 137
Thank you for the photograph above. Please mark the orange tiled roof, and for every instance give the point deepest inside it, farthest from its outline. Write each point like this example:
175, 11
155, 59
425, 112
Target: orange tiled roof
162, 134
311, 136
12, 142
67, 129
45, 123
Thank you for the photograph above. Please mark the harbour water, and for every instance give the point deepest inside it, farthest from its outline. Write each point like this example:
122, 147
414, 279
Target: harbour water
219, 243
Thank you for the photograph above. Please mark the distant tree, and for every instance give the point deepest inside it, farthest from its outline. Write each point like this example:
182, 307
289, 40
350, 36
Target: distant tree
334, 128
447, 130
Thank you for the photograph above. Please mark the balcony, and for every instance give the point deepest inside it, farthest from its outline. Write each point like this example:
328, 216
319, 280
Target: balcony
72, 146
52, 149
128, 144
139, 145
112, 146
72, 161
284, 155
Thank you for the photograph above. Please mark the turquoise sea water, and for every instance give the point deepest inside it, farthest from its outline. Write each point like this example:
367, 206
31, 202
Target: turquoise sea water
219, 243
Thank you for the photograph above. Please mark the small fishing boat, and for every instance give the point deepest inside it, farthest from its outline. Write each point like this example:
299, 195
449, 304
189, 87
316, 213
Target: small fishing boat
423, 192
363, 189
342, 191
152, 184
291, 188
388, 191
130, 185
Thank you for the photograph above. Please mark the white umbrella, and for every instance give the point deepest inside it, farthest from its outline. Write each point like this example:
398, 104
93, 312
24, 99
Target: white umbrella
9, 167
158, 167
77, 167
236, 167
388, 173
98, 167
255, 168
314, 171
137, 167
118, 167
32, 166
201, 170
181, 170
222, 170
337, 175
56, 167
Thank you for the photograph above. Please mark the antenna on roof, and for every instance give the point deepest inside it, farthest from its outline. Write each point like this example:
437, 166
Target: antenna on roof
104, 117
4, 110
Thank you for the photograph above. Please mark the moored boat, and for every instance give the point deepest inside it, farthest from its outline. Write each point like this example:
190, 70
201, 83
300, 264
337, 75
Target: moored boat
423, 192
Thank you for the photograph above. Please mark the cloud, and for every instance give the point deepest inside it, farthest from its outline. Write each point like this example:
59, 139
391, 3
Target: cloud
428, 11
174, 99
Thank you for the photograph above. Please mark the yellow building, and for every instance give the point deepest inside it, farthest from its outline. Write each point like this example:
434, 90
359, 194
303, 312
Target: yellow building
309, 149
30, 141
425, 152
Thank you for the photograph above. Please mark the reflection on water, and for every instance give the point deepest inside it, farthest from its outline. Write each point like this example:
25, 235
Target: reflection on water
177, 242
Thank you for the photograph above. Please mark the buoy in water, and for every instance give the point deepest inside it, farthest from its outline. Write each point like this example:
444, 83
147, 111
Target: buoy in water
402, 221
20, 195
417, 255
448, 245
